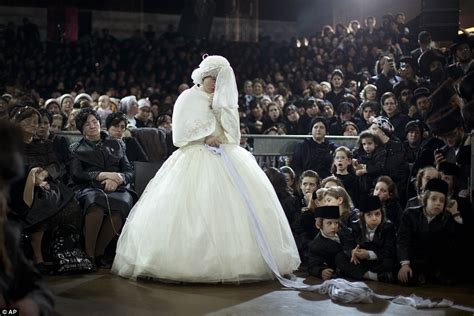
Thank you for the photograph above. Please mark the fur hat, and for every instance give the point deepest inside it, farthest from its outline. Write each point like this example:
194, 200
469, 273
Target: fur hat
327, 212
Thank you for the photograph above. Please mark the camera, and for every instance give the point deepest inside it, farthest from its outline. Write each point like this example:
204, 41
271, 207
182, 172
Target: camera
441, 150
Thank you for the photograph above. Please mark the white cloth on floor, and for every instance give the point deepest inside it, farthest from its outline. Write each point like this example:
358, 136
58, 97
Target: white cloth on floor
419, 302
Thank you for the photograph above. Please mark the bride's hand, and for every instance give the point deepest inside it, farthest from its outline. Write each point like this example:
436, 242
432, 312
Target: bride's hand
211, 98
212, 141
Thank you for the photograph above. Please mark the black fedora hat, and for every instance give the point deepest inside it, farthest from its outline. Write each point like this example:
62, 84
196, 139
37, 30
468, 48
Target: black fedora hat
370, 203
403, 85
428, 57
327, 212
459, 40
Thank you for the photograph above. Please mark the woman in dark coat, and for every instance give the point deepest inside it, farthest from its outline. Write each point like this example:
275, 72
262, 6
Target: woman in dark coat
20, 283
102, 174
38, 198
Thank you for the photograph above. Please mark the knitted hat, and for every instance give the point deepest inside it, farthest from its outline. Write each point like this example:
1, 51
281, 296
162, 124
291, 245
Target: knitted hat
384, 124
318, 119
143, 103
414, 124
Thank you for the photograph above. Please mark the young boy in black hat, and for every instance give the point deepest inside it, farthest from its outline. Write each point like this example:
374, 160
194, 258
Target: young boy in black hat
427, 237
332, 239
374, 258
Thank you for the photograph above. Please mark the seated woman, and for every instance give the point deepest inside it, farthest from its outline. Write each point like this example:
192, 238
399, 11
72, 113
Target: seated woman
116, 124
21, 285
39, 196
102, 174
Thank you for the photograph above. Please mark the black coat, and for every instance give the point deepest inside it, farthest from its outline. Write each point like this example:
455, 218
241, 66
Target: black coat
375, 164
383, 244
134, 150
322, 251
23, 281
419, 240
46, 203
399, 121
351, 184
310, 155
90, 159
304, 231
396, 166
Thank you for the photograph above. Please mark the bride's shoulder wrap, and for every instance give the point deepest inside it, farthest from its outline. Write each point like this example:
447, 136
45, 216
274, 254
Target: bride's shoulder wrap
193, 118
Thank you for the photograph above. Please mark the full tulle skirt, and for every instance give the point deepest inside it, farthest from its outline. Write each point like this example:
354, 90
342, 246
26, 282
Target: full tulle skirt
191, 224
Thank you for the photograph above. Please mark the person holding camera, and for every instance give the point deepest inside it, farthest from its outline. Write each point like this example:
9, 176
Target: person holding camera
387, 76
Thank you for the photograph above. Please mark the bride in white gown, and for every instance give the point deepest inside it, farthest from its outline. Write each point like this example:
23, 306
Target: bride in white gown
192, 223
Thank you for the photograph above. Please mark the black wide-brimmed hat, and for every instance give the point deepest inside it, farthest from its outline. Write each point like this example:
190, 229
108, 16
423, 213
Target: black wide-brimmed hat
459, 40
428, 57
445, 114
449, 169
409, 60
403, 85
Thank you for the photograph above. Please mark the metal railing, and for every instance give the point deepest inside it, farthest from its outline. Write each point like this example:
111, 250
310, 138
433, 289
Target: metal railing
284, 145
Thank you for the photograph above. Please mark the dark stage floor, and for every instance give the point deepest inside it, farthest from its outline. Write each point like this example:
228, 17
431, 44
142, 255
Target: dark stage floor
105, 294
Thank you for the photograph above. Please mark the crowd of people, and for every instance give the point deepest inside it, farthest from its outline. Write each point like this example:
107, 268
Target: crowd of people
379, 211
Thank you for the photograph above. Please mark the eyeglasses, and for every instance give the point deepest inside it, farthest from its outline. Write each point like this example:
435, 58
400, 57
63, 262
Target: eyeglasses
406, 93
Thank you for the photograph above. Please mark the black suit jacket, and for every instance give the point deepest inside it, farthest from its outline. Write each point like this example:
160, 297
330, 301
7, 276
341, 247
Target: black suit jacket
322, 251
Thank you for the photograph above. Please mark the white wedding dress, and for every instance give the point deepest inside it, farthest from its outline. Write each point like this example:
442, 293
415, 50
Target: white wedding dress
191, 224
